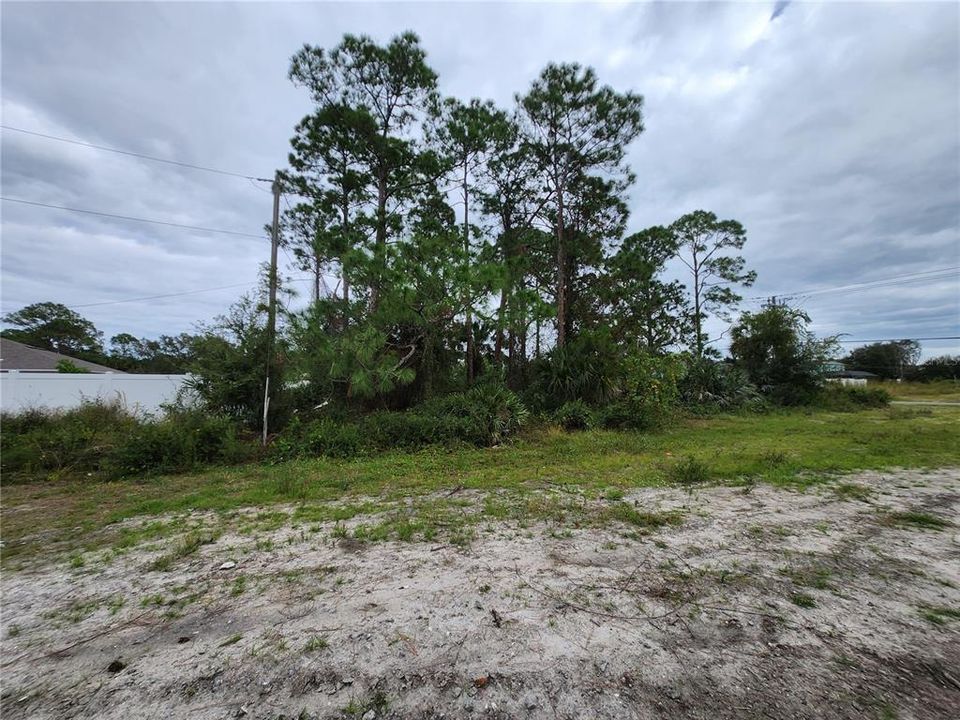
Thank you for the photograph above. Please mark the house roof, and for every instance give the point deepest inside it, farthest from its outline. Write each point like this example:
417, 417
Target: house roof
858, 374
17, 356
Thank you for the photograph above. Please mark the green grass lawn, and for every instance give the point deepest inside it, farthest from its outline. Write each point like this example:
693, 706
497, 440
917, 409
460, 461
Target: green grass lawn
543, 475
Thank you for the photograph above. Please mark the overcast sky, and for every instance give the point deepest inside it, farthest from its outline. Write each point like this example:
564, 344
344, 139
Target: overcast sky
832, 132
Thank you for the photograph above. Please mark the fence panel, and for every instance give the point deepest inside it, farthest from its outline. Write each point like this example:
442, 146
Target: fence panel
62, 391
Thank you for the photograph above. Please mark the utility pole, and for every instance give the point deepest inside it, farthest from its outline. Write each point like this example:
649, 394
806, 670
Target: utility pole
272, 307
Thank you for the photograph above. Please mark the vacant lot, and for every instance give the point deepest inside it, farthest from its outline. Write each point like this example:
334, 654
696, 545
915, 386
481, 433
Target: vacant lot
565, 576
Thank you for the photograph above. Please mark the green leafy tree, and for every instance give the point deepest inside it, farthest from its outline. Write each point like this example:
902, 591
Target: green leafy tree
779, 354
511, 197
52, 326
576, 128
382, 93
66, 366
467, 135
229, 365
886, 359
646, 312
706, 248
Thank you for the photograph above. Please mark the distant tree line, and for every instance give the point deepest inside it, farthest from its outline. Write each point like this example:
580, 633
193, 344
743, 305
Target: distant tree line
52, 326
898, 359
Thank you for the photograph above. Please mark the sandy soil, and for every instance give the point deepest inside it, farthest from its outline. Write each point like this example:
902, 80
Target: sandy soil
763, 603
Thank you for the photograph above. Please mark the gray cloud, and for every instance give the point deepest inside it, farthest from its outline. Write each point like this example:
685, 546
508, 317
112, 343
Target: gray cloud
830, 131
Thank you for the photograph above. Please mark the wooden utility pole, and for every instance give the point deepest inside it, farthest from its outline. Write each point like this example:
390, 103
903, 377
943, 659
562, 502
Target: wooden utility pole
272, 307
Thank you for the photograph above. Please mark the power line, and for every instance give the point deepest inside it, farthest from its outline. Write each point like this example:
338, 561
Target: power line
131, 218
133, 154
178, 294
948, 337
868, 285
157, 297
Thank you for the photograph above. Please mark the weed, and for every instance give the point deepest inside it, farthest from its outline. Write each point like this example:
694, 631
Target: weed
116, 604
613, 494
13, 631
316, 642
232, 640
688, 471
920, 520
852, 491
626, 513
816, 576
188, 546
239, 585
76, 560
939, 615
803, 600
377, 702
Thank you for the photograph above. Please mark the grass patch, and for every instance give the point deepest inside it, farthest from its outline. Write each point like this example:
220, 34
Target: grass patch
232, 640
852, 491
626, 513
918, 520
821, 444
803, 600
315, 643
690, 471
939, 615
188, 546
816, 576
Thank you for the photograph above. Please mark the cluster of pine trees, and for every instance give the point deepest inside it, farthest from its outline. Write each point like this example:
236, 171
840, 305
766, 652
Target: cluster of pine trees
465, 237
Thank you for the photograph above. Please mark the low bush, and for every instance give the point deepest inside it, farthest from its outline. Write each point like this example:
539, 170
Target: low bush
488, 413
103, 438
574, 415
849, 399
38, 443
180, 441
708, 386
650, 393
485, 415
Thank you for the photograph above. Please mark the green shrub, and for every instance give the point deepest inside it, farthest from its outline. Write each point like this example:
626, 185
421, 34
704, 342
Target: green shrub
178, 442
487, 414
587, 368
574, 415
710, 385
414, 429
849, 399
38, 442
318, 437
650, 393
68, 366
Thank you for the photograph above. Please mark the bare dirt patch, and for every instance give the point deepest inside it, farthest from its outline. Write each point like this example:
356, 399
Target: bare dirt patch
839, 602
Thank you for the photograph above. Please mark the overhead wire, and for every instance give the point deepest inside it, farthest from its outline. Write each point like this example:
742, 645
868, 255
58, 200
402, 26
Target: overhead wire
142, 156
178, 294
131, 218
905, 278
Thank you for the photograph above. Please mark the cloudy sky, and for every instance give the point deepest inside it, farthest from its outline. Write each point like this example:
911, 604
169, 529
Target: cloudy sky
832, 132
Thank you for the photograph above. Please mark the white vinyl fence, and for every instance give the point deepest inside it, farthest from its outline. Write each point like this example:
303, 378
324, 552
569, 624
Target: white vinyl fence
62, 391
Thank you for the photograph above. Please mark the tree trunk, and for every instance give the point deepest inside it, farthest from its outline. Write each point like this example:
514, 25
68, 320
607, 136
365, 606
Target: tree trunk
380, 251
697, 329
561, 275
506, 291
345, 230
466, 248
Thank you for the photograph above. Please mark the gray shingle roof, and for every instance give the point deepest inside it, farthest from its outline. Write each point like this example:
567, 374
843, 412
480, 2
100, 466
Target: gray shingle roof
17, 356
